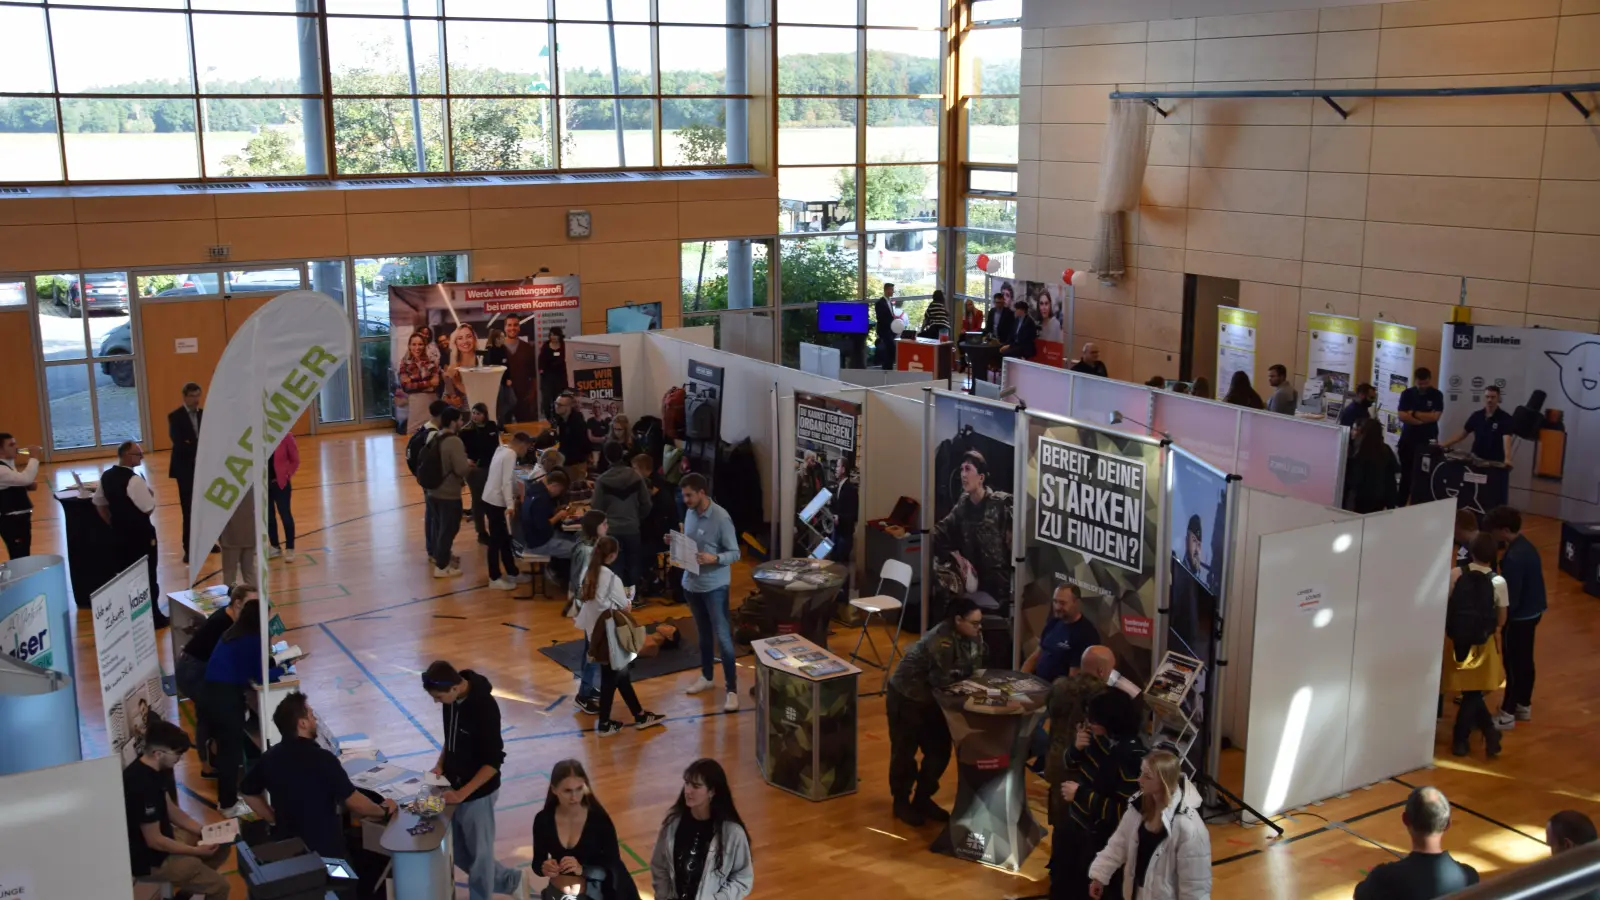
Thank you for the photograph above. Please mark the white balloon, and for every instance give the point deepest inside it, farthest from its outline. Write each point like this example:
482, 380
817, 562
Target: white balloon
1080, 279
897, 326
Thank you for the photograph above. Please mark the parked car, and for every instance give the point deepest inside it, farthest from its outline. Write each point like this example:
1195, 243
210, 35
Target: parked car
118, 342
100, 292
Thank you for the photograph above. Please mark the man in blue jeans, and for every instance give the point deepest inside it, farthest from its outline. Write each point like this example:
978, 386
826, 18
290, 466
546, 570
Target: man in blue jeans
711, 528
470, 760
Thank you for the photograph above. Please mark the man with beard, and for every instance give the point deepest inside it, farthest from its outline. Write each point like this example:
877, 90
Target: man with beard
522, 368
974, 540
1191, 592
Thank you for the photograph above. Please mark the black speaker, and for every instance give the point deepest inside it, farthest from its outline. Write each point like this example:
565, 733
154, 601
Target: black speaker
1525, 420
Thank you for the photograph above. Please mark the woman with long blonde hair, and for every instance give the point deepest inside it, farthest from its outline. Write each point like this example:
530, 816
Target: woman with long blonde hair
1161, 846
463, 355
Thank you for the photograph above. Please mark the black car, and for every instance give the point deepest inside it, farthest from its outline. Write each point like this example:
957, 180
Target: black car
102, 292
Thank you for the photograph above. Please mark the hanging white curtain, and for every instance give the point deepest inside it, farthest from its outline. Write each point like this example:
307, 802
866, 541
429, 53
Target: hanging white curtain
1122, 162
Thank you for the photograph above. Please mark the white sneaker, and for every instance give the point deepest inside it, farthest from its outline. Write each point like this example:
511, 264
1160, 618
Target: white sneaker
443, 573
523, 578
1524, 713
700, 685
273, 553
1505, 721
732, 703
237, 811
503, 584
288, 556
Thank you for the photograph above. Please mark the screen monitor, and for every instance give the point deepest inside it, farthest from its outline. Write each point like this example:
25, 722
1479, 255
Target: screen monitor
633, 317
815, 506
823, 549
839, 317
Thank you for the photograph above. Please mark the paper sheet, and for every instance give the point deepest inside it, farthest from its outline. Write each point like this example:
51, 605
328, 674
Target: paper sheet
217, 833
383, 773
685, 552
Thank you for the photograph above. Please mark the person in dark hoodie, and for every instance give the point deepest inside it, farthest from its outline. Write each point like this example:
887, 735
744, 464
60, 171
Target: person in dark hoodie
624, 497
471, 759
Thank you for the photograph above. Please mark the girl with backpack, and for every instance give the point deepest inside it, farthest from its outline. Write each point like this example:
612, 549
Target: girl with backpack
1472, 665
614, 638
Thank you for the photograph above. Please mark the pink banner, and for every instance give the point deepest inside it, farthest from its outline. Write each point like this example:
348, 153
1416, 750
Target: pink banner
1206, 429
1288, 456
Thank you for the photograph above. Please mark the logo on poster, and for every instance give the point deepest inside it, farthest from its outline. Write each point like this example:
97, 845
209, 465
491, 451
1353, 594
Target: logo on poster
1580, 373
1136, 626
1288, 469
25, 634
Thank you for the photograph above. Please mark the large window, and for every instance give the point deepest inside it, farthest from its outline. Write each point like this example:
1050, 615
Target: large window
990, 60
243, 88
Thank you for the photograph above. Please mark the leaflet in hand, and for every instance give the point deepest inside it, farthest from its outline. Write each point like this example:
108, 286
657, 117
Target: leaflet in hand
685, 552
218, 833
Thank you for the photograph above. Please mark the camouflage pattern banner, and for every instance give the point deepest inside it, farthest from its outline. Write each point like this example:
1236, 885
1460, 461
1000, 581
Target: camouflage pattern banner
1092, 519
972, 443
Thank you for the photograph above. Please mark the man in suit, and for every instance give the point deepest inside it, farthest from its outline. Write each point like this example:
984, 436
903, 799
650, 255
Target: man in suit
522, 368
884, 311
183, 427
1021, 345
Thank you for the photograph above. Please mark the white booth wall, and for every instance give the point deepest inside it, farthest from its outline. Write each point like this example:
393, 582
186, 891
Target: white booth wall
64, 833
1343, 661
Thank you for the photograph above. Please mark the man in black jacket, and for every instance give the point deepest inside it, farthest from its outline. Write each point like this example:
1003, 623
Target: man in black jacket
1021, 344
573, 434
1427, 871
183, 427
624, 496
471, 759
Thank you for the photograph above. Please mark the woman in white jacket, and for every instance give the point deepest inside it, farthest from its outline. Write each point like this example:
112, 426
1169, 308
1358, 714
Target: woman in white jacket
1161, 845
602, 592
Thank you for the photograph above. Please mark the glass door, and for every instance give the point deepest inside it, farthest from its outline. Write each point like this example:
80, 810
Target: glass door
86, 341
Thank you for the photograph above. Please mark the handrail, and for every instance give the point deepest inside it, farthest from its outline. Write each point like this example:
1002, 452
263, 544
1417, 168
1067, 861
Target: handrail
1326, 95
1565, 876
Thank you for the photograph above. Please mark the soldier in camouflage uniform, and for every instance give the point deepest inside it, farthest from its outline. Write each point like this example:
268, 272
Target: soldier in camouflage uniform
948, 653
972, 544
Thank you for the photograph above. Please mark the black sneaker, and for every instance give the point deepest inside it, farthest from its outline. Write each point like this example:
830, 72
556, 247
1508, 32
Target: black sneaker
908, 814
648, 719
609, 728
930, 810
587, 705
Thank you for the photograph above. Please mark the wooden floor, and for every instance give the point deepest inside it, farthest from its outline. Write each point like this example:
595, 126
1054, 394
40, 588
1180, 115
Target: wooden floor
359, 599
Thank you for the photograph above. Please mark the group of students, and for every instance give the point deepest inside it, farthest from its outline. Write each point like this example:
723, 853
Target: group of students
1127, 820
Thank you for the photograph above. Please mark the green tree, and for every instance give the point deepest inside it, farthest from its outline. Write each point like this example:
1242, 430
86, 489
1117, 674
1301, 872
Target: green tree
893, 193
703, 145
272, 152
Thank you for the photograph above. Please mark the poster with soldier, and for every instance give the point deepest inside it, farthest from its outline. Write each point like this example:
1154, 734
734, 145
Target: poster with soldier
973, 445
1092, 520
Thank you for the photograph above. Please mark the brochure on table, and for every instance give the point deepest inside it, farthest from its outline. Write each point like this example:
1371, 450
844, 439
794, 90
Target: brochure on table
1236, 344
1330, 362
130, 668
1394, 358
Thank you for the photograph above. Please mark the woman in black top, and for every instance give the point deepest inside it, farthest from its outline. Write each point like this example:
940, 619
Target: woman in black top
573, 836
191, 667
1371, 480
702, 851
552, 369
1240, 393
480, 437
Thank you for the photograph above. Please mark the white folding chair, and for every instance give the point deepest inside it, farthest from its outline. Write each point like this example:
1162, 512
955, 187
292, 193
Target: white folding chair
893, 572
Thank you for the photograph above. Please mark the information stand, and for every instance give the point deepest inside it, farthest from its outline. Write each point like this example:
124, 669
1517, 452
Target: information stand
805, 718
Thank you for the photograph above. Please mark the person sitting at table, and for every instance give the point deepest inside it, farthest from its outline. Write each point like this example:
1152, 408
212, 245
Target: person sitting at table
575, 842
1161, 846
1021, 345
153, 848
541, 515
235, 664
1490, 429
949, 652
1108, 753
703, 851
306, 785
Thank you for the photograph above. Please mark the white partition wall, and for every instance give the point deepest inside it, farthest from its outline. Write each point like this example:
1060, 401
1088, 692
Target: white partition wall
891, 467
1043, 389
63, 832
1210, 430
703, 335
1305, 623
1095, 399
1405, 583
1257, 513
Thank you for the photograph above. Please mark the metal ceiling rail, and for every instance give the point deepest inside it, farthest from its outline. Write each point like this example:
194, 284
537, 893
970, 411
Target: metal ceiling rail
1327, 95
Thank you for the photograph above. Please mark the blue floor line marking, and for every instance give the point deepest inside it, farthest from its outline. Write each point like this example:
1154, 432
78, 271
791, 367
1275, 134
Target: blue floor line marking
209, 804
390, 608
515, 625
582, 731
555, 703
379, 685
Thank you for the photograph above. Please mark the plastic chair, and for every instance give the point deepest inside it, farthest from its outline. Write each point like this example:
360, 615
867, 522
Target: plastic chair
893, 572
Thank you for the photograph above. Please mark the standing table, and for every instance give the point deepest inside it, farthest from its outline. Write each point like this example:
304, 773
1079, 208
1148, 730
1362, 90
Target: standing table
797, 596
1475, 484
805, 720
991, 716
89, 559
422, 867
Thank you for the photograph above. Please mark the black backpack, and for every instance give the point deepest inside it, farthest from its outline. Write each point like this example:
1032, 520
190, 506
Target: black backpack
1470, 616
414, 445
430, 468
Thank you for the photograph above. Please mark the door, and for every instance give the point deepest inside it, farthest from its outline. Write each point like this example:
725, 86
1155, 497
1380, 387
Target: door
86, 327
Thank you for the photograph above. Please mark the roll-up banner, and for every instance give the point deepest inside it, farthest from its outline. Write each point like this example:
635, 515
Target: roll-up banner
972, 461
456, 325
1394, 357
1093, 521
1330, 362
595, 373
1236, 344
1198, 539
825, 431
702, 402
1557, 371
130, 669
1047, 305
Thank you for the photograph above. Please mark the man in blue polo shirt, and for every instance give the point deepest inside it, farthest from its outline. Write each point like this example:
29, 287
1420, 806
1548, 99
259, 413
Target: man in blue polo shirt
1065, 637
1421, 405
1490, 429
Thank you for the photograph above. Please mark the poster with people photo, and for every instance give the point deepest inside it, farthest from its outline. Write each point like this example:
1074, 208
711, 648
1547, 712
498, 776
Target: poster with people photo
129, 662
827, 497
1092, 520
974, 458
1198, 532
595, 372
435, 330
1046, 306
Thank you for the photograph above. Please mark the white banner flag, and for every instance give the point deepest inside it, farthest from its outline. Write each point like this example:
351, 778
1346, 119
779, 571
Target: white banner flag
268, 376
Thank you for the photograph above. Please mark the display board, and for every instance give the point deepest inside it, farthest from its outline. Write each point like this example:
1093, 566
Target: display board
1198, 538
825, 430
971, 449
633, 317
1394, 358
65, 833
1236, 344
702, 401
37, 730
1521, 362
1047, 305
1093, 520
446, 315
1330, 361
595, 372
130, 668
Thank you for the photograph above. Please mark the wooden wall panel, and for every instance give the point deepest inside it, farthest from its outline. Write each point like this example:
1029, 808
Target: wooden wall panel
165, 370
19, 403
